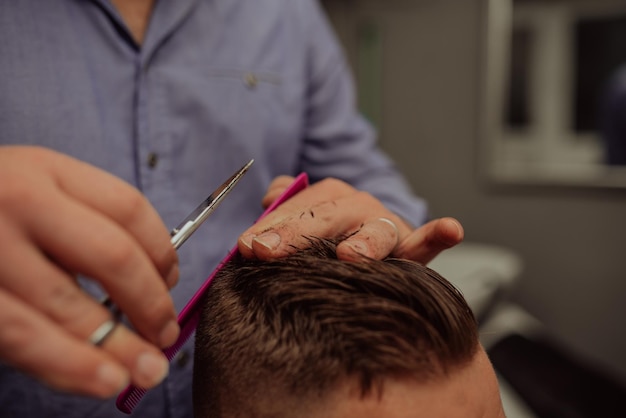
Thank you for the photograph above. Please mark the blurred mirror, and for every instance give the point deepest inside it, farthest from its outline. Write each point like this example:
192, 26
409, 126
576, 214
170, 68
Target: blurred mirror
555, 92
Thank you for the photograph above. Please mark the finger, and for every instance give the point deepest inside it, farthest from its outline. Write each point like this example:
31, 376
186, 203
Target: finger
103, 251
120, 202
302, 216
147, 365
61, 301
376, 239
427, 241
276, 187
62, 361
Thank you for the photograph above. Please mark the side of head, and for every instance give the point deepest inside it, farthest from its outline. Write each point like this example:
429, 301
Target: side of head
310, 335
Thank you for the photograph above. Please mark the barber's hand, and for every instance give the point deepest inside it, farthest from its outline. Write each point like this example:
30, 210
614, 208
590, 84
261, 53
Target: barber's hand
60, 218
332, 208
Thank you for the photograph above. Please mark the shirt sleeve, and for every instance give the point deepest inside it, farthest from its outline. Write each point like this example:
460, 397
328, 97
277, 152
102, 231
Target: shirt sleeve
338, 141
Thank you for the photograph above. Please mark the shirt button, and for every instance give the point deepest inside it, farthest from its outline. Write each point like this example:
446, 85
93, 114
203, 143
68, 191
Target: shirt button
182, 359
250, 80
153, 160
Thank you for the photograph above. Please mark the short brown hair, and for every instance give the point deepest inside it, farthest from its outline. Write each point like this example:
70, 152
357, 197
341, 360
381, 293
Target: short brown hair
302, 324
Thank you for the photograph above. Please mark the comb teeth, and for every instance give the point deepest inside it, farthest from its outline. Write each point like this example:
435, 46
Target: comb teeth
128, 400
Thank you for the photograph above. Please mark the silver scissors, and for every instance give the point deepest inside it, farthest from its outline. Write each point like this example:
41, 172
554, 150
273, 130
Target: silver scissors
186, 228
202, 212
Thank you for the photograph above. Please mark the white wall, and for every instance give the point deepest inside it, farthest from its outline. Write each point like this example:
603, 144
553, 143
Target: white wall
572, 240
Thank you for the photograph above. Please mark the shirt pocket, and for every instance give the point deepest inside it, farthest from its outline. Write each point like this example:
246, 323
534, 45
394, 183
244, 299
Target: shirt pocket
260, 111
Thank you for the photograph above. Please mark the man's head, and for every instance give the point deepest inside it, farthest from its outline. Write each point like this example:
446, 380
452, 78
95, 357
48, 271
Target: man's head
313, 336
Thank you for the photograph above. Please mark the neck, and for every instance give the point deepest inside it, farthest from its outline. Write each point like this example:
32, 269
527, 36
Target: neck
136, 15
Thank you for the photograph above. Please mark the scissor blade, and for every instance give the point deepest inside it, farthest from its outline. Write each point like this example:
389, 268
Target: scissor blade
202, 212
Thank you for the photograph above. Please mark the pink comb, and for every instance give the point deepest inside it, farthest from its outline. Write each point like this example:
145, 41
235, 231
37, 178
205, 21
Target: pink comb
189, 316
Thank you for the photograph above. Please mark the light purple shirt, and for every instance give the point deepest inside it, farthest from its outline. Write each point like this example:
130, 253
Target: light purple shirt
215, 83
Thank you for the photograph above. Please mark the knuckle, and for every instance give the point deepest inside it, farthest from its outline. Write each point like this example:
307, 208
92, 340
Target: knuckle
14, 196
119, 258
367, 200
162, 254
364, 196
17, 333
22, 185
159, 307
38, 154
166, 259
66, 305
153, 314
170, 256
134, 208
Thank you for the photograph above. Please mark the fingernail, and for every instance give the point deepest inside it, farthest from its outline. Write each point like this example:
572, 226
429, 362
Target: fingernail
269, 240
459, 229
113, 377
153, 368
247, 240
172, 276
169, 334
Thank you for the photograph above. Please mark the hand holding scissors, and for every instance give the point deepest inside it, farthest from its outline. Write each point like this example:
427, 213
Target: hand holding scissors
59, 218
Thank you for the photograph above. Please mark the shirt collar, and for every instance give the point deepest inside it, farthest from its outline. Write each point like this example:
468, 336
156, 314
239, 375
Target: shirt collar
166, 17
